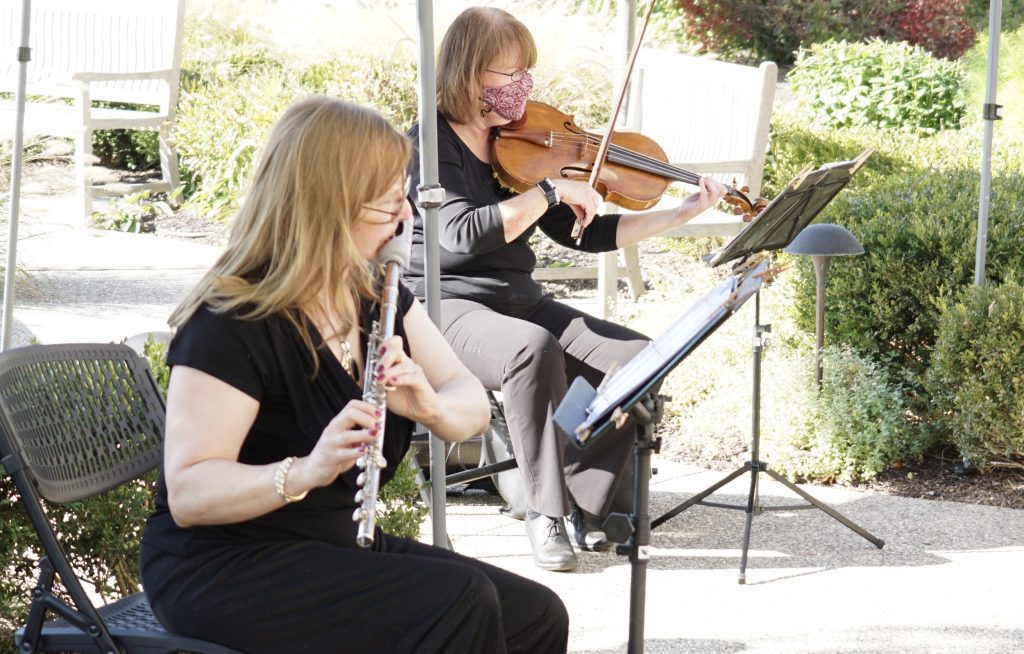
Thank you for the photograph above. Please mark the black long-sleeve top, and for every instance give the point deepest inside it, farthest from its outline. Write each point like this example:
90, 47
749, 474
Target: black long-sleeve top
476, 261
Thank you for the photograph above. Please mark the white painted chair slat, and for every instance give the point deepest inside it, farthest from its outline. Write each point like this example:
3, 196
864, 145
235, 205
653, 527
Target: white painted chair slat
711, 118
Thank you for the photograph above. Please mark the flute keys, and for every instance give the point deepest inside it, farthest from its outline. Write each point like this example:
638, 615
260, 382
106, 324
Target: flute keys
360, 515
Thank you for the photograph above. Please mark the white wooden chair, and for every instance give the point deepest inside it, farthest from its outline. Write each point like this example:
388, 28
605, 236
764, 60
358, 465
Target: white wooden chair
108, 50
711, 118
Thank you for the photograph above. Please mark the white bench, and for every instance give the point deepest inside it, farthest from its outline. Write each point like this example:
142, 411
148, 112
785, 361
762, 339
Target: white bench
125, 51
711, 118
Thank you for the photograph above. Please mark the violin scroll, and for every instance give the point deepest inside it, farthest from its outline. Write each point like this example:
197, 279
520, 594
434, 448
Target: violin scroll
741, 203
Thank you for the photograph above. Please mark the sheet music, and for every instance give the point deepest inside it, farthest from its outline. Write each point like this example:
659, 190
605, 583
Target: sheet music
651, 359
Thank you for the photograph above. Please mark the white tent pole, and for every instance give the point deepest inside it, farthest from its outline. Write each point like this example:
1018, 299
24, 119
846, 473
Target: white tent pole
430, 196
991, 114
17, 159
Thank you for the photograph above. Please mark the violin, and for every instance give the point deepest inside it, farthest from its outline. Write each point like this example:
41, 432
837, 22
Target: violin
634, 174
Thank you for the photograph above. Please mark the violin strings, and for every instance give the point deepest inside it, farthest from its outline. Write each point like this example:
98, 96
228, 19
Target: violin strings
626, 157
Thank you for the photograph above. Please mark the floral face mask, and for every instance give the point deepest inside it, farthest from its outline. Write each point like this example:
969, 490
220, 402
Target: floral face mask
509, 101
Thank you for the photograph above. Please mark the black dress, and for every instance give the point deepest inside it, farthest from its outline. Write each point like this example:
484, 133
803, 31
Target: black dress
293, 580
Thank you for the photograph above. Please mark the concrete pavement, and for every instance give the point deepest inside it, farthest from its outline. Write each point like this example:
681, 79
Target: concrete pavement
949, 578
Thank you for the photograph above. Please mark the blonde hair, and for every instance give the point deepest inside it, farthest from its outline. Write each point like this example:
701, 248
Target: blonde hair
476, 37
292, 240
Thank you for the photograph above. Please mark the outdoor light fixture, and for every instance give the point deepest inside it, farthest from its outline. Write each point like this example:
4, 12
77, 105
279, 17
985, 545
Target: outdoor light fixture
821, 242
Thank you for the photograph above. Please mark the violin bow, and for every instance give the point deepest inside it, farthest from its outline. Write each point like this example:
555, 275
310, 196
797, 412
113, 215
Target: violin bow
602, 151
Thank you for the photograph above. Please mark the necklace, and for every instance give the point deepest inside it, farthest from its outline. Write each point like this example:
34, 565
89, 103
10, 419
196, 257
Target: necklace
347, 360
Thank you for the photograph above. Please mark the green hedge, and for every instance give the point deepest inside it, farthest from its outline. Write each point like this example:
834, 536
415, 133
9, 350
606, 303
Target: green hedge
878, 84
977, 373
914, 207
851, 429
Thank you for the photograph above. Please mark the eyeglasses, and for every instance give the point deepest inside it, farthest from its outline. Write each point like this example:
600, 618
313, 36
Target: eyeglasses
514, 77
393, 215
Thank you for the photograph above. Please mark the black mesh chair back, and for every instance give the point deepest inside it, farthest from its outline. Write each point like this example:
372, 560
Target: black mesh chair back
77, 420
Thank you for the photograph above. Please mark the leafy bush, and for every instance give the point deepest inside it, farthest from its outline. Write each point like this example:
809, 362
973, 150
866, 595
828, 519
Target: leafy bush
126, 149
220, 127
849, 430
744, 30
390, 85
399, 512
976, 377
916, 217
18, 554
878, 84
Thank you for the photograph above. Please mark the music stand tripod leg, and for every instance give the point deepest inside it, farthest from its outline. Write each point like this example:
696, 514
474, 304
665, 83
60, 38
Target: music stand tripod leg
755, 466
634, 530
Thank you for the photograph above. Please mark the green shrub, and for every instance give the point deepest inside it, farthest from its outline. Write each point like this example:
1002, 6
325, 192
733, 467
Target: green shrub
976, 377
850, 430
916, 217
126, 149
878, 84
216, 49
388, 84
399, 511
18, 551
219, 130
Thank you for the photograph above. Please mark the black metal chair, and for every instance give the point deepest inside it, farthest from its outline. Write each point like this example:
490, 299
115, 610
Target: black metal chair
485, 461
77, 420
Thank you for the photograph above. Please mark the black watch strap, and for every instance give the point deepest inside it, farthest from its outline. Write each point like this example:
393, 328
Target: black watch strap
550, 192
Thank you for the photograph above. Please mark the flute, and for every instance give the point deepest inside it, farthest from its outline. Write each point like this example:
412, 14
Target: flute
394, 255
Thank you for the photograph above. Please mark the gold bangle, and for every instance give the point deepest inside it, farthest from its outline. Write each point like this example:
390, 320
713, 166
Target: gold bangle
281, 477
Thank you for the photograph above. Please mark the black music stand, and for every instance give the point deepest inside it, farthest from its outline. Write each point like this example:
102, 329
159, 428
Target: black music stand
774, 229
586, 413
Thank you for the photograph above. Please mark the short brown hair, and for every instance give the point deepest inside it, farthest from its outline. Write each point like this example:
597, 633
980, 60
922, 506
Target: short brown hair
476, 37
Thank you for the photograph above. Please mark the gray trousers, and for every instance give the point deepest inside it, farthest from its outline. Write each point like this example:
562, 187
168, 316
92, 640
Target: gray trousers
531, 354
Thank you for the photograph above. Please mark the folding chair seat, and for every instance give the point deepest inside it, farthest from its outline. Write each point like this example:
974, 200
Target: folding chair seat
78, 420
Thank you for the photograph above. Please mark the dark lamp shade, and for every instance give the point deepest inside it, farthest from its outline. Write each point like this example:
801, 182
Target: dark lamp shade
824, 239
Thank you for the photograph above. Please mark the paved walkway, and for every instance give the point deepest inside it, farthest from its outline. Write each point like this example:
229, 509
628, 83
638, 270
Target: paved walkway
80, 284
949, 578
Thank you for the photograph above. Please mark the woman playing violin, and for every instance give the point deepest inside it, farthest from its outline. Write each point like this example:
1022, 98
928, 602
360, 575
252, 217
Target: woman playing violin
510, 334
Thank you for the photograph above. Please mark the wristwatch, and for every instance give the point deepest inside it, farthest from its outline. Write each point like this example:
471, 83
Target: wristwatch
550, 192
